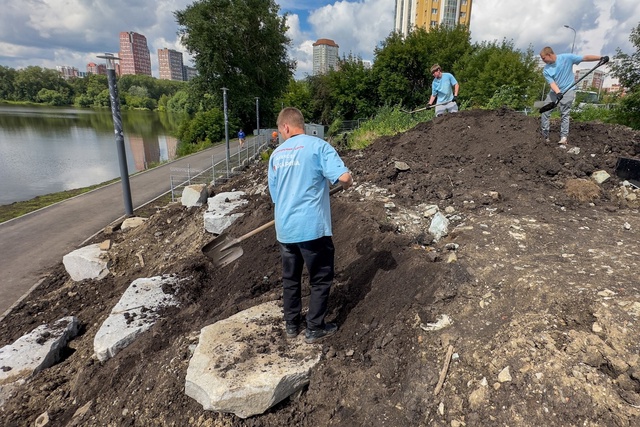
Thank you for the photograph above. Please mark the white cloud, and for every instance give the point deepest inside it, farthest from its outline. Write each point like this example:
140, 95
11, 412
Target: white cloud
73, 32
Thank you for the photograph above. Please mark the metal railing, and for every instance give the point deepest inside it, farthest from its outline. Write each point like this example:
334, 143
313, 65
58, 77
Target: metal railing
219, 172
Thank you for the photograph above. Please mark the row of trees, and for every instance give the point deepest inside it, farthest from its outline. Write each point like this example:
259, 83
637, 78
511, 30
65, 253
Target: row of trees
47, 86
242, 46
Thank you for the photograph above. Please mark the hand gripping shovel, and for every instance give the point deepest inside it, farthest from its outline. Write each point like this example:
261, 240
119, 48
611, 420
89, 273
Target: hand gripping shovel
550, 106
223, 249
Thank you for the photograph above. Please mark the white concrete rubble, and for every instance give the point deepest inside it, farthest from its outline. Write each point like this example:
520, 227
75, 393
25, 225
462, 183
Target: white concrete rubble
135, 313
88, 262
218, 216
600, 176
132, 222
245, 365
194, 195
38, 350
439, 226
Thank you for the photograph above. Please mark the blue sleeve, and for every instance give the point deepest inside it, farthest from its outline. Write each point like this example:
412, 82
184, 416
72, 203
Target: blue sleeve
332, 165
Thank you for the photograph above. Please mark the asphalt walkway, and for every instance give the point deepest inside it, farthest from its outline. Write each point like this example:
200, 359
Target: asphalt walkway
31, 244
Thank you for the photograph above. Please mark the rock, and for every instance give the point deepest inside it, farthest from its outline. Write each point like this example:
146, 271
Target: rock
401, 166
600, 176
105, 245
194, 195
478, 398
504, 375
126, 320
218, 216
42, 420
227, 374
439, 226
38, 350
132, 222
86, 263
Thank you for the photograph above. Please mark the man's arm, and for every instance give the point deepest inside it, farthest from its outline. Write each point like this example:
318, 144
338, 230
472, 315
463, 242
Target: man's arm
591, 58
345, 180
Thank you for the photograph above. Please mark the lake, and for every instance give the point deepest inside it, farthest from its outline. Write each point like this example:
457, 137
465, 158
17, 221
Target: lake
44, 149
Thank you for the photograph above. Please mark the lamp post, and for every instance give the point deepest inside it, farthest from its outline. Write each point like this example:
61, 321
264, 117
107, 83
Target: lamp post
258, 118
574, 36
117, 127
226, 126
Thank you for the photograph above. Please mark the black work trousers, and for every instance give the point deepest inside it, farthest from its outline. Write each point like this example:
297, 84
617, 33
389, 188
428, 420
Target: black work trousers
318, 256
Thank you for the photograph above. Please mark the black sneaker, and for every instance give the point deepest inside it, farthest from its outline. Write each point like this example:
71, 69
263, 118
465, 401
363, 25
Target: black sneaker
314, 335
293, 329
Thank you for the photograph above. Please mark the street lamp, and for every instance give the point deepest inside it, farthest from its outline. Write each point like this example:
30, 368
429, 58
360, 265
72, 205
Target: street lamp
117, 126
574, 36
226, 126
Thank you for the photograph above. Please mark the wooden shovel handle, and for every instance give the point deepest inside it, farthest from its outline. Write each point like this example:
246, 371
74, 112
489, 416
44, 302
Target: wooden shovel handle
263, 227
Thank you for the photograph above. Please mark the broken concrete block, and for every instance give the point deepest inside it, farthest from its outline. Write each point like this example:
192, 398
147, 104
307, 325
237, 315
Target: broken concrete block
245, 365
86, 263
38, 350
194, 195
135, 313
600, 176
132, 222
218, 216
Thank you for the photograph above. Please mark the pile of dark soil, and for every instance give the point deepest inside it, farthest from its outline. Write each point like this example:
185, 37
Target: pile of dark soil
540, 284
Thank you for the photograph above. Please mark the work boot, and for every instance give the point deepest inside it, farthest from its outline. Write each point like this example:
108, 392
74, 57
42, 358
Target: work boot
293, 329
563, 140
314, 335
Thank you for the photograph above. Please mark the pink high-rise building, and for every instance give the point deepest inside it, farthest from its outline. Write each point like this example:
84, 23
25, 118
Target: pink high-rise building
170, 64
134, 54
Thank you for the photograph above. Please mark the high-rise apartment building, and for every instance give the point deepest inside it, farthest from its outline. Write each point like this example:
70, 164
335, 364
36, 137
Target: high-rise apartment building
429, 13
188, 73
170, 64
325, 56
67, 71
93, 68
134, 54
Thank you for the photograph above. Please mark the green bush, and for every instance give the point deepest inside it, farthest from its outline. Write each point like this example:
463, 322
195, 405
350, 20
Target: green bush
388, 121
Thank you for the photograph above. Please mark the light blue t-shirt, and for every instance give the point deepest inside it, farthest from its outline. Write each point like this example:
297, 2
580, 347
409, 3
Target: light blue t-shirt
300, 171
442, 88
561, 71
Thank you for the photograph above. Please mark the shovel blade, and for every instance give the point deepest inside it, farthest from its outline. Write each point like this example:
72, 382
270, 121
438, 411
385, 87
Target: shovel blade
222, 250
550, 106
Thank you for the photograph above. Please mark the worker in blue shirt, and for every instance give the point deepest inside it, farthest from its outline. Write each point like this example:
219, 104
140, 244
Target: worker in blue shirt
301, 169
241, 137
444, 89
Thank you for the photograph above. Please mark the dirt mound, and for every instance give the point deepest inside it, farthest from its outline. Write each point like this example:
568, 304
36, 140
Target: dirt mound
539, 282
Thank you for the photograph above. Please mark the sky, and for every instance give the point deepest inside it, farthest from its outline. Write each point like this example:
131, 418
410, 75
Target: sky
49, 33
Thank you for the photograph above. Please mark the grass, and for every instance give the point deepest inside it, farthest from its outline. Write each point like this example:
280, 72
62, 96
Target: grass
17, 209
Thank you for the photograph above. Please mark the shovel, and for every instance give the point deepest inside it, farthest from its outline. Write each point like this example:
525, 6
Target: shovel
428, 107
550, 106
223, 249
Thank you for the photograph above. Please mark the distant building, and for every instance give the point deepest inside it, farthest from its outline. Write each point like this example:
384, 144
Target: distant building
367, 64
170, 64
67, 71
98, 69
325, 56
595, 79
188, 73
134, 54
431, 13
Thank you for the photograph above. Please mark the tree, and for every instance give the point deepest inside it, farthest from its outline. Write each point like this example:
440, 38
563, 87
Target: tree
497, 73
627, 69
7, 78
353, 89
29, 81
298, 95
241, 45
402, 65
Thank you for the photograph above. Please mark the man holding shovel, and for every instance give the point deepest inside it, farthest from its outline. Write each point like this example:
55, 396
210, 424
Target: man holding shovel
300, 171
559, 74
444, 89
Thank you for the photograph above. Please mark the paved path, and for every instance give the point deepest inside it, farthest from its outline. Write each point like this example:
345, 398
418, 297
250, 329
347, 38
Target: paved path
30, 245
